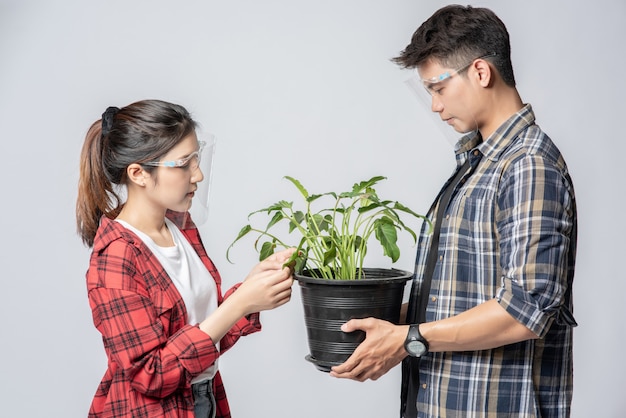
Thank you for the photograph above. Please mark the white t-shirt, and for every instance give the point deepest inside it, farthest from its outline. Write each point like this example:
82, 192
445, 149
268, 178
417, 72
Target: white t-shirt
191, 278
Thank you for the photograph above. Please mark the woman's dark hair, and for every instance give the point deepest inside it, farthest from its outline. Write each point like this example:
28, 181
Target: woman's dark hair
140, 132
455, 35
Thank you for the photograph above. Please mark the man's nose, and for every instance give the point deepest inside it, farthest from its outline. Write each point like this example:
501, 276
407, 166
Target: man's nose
436, 105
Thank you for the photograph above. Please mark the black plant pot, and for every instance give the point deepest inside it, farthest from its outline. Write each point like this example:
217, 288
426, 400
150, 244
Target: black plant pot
328, 304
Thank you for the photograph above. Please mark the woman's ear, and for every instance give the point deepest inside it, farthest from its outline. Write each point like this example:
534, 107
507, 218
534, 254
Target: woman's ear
137, 174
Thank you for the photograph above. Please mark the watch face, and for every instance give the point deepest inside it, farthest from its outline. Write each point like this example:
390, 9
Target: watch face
416, 348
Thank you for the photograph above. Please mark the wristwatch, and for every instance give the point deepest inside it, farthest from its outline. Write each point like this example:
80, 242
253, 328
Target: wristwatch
415, 344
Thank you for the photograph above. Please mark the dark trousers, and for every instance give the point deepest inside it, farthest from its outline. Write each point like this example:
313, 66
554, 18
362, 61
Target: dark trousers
203, 399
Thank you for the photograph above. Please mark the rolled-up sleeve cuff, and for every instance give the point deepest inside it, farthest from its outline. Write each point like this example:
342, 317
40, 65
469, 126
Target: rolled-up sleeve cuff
194, 348
524, 308
249, 324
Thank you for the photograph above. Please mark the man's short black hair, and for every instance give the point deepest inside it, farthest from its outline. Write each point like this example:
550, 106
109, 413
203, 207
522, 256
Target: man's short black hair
455, 35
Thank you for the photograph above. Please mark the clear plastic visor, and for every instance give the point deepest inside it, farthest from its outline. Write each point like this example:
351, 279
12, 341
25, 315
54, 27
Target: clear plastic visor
449, 110
199, 209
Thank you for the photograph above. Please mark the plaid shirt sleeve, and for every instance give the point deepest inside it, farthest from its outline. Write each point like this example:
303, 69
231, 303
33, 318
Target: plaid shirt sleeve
536, 219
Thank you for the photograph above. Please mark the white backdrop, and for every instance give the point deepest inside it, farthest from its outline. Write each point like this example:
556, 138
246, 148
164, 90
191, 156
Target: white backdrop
301, 88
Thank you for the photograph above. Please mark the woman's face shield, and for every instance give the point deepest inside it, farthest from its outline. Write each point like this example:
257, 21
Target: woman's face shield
199, 209
201, 159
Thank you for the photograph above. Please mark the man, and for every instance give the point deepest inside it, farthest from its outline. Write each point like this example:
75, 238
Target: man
491, 334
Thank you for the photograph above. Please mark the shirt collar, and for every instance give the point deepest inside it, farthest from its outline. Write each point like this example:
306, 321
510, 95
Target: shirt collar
493, 147
110, 230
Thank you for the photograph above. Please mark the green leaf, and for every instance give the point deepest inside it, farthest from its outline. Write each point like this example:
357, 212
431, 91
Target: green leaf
330, 255
292, 261
364, 185
297, 219
352, 194
370, 206
275, 207
300, 263
318, 222
282, 204
328, 222
358, 240
401, 207
313, 197
241, 234
299, 186
387, 235
278, 216
267, 249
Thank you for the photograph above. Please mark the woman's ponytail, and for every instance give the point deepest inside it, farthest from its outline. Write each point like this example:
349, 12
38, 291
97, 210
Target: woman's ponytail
96, 196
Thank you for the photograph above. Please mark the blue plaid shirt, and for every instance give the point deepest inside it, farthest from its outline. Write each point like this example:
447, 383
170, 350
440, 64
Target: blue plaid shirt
509, 234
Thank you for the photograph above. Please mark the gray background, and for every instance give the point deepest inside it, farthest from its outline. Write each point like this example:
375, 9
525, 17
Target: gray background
301, 88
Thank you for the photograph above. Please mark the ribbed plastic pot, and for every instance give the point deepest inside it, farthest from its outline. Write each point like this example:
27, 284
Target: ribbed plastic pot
328, 304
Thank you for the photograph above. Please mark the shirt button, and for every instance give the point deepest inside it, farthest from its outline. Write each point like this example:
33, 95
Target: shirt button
440, 258
447, 217
476, 152
434, 299
424, 385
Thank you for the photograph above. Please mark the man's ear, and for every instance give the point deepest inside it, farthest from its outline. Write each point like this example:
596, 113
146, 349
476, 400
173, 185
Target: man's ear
483, 72
137, 174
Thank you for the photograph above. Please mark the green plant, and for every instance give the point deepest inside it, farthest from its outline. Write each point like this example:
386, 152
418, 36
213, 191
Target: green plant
334, 239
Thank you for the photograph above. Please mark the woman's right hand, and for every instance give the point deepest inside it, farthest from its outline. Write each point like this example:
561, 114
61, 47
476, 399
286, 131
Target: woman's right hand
268, 285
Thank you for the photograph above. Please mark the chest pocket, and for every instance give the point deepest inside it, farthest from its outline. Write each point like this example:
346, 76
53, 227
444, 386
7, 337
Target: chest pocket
475, 220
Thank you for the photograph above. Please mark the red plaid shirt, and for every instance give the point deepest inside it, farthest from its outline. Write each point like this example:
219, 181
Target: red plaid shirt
153, 354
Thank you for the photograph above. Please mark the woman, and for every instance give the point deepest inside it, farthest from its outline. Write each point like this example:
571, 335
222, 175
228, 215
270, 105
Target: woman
154, 293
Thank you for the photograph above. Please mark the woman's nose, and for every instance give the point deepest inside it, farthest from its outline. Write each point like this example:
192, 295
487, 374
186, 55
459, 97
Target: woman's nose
197, 175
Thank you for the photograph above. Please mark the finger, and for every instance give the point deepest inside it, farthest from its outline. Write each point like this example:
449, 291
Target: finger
280, 279
281, 293
284, 293
352, 375
283, 298
356, 375
270, 263
282, 256
353, 325
343, 370
277, 300
352, 370
282, 287
271, 275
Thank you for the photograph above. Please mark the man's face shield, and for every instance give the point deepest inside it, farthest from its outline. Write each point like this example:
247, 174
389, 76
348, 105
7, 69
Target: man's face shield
447, 95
